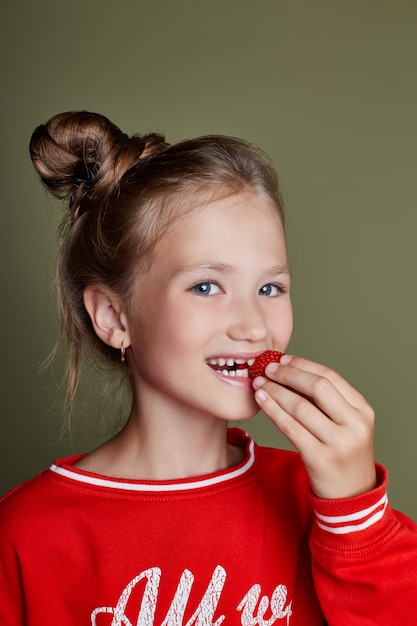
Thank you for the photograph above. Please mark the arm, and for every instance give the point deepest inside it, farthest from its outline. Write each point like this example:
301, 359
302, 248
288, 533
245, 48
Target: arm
365, 560
11, 597
364, 554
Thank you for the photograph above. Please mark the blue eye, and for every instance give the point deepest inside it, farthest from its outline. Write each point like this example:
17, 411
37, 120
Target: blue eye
207, 288
271, 290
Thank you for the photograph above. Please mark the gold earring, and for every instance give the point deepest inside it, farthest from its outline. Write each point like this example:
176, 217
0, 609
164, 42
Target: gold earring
122, 353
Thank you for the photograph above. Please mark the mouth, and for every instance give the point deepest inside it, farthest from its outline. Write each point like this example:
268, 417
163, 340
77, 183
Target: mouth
231, 367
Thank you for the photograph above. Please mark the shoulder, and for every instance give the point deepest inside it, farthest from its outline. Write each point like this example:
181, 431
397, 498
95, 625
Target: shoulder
23, 498
285, 464
285, 486
16, 513
282, 477
30, 506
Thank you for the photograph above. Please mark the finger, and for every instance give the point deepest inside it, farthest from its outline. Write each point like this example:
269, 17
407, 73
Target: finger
352, 395
302, 410
315, 390
325, 388
295, 431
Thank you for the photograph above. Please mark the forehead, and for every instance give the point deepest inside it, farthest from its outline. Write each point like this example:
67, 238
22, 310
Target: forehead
229, 225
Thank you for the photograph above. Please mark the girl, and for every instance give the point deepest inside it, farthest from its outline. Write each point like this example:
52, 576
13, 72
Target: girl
173, 267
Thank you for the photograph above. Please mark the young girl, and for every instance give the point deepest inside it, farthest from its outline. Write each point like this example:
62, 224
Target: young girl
173, 267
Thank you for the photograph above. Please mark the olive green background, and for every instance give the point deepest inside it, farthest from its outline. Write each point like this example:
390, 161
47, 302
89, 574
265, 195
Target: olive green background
326, 87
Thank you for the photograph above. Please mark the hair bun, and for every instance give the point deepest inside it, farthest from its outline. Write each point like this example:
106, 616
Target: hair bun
82, 156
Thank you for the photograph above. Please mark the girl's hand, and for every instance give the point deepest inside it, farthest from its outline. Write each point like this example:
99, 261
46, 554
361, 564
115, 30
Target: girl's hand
328, 421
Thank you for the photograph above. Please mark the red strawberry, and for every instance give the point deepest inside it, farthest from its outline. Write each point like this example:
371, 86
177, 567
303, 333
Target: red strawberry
261, 361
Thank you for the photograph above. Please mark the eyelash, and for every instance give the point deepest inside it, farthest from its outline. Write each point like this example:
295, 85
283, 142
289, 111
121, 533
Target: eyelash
197, 288
280, 289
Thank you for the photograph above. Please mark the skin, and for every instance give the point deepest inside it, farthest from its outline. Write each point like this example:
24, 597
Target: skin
218, 286
326, 419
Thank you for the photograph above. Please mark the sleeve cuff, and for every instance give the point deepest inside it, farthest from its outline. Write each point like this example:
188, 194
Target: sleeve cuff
353, 523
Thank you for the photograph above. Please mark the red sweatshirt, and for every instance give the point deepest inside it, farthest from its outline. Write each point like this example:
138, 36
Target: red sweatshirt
249, 545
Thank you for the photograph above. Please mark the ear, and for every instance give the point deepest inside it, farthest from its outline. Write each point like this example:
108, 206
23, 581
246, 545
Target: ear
106, 313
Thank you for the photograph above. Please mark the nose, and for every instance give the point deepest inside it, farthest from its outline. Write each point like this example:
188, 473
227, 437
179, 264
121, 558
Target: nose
247, 321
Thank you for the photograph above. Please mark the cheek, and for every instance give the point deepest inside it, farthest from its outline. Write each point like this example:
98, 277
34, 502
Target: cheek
170, 326
183, 329
282, 329
287, 338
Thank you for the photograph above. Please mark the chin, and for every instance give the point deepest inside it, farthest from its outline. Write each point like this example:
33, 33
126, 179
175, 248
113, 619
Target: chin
241, 416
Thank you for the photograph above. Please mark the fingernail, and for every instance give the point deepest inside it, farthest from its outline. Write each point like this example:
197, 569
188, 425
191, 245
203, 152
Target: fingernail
258, 382
285, 359
271, 368
261, 395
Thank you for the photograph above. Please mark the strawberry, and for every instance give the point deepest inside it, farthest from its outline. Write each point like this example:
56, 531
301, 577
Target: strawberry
261, 361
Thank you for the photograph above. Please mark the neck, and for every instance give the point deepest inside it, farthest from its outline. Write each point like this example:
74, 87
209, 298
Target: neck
165, 446
164, 451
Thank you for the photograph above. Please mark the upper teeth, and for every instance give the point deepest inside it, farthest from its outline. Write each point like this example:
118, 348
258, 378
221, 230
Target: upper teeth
222, 362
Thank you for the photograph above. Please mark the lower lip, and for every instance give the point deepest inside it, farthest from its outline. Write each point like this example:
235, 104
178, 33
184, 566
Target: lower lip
236, 381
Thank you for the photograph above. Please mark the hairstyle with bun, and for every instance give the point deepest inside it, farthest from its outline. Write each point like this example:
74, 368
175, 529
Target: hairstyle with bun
122, 193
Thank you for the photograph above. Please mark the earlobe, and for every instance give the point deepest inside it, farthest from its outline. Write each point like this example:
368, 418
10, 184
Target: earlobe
106, 314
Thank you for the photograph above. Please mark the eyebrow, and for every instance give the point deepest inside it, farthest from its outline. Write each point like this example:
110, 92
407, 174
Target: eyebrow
225, 268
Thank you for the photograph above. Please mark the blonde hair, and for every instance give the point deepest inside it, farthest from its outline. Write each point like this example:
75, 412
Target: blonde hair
122, 193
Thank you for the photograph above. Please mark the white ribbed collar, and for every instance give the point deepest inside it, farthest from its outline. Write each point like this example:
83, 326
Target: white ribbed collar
96, 480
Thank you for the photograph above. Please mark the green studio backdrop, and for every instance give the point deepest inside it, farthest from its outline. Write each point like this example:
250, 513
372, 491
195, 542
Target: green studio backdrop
327, 88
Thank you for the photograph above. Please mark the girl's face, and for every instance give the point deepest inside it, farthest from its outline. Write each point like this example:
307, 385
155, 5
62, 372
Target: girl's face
216, 294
